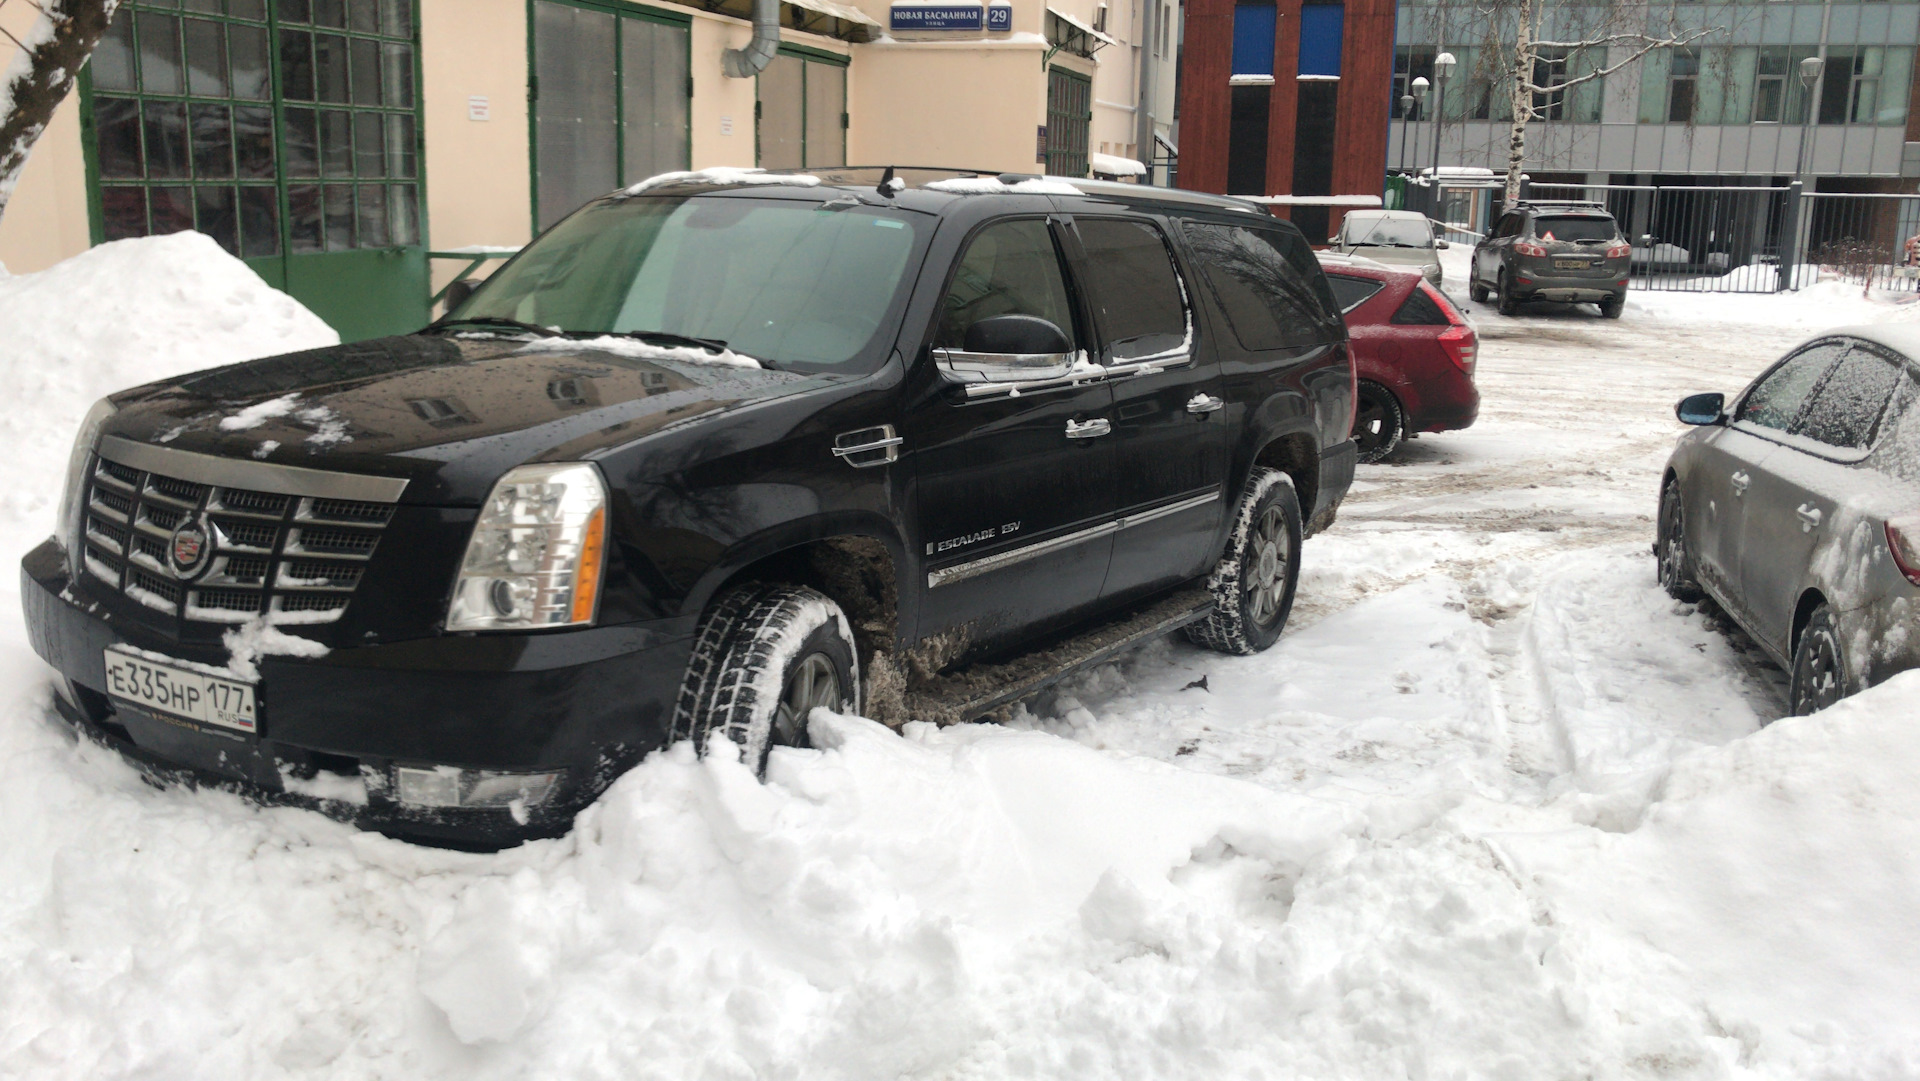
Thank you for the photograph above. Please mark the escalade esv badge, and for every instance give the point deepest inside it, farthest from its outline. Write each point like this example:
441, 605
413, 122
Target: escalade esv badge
188, 551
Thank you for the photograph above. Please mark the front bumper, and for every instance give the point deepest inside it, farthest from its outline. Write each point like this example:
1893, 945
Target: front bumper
333, 729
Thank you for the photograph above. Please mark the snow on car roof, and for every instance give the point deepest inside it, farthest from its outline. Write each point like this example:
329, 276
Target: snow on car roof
1902, 338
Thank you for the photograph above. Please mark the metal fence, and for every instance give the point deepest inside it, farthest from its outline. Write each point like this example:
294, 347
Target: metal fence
1736, 239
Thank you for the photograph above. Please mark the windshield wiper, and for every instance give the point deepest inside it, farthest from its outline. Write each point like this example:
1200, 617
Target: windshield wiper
666, 337
492, 321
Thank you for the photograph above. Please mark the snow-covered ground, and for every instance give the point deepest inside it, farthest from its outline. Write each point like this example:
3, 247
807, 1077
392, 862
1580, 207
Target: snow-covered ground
1494, 807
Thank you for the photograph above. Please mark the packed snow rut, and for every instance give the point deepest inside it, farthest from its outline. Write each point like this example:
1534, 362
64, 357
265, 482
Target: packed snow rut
1495, 806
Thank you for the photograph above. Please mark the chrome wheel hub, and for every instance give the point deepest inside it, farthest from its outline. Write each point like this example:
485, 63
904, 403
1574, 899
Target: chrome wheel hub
1266, 579
813, 683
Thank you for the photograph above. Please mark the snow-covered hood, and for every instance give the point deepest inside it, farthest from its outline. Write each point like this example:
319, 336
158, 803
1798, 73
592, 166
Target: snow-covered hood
450, 413
1395, 256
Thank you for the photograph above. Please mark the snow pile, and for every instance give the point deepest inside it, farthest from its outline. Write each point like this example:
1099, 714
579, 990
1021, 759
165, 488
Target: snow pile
723, 175
1115, 165
117, 316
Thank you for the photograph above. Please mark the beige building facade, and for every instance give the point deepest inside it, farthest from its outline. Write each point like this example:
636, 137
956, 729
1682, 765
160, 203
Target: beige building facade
352, 150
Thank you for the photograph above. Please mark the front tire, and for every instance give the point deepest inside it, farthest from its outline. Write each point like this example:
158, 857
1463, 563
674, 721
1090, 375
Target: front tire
1378, 422
1478, 292
764, 657
1254, 582
1676, 570
1819, 676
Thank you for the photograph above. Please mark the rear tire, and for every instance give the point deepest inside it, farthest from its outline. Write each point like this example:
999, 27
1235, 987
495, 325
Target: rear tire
1611, 307
1675, 566
1508, 304
765, 655
1254, 582
1819, 665
1378, 422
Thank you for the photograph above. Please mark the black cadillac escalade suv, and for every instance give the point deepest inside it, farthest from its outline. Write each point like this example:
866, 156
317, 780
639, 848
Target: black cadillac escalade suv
707, 454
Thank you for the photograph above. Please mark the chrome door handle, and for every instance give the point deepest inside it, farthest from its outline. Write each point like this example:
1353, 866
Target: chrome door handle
1203, 404
1097, 426
1740, 481
1809, 517
868, 446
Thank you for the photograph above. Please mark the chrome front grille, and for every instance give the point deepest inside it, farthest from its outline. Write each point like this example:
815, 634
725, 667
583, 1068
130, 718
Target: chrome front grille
283, 540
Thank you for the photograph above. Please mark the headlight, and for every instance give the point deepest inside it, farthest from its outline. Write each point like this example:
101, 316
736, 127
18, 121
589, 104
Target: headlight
68, 526
536, 553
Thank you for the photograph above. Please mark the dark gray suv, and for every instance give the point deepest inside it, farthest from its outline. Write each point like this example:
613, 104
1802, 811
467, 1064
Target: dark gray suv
1569, 252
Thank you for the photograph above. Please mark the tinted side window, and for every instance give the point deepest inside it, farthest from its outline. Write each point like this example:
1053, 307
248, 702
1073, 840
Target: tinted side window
1134, 285
1845, 412
1350, 293
1775, 400
1010, 268
1419, 310
1509, 226
1899, 450
1267, 303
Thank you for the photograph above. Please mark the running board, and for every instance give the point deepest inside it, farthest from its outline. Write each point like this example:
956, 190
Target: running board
980, 689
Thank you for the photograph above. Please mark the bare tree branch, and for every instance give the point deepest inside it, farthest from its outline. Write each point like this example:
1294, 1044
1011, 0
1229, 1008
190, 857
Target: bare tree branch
42, 74
1663, 43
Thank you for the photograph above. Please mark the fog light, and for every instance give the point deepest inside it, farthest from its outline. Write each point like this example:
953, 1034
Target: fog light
446, 786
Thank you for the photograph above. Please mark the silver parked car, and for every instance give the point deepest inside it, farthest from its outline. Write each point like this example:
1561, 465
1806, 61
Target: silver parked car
1399, 238
1797, 508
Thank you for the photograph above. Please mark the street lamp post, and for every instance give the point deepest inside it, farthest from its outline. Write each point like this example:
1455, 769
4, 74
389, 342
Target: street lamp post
1418, 92
1810, 71
1442, 70
1406, 121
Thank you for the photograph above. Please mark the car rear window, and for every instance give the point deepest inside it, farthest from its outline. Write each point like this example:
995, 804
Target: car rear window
1419, 310
1574, 228
1350, 293
1268, 283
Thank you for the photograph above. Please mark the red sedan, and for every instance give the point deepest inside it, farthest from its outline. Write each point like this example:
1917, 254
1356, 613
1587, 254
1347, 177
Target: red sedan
1413, 352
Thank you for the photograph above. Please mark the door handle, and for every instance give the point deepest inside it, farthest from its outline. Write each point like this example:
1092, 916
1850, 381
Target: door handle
1095, 427
1809, 517
1202, 404
1740, 481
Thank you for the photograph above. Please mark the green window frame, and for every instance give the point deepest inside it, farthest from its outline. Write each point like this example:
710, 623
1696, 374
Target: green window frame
1069, 121
800, 115
278, 128
642, 145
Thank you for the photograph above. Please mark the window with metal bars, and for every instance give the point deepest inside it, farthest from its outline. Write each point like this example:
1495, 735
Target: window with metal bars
1069, 121
272, 128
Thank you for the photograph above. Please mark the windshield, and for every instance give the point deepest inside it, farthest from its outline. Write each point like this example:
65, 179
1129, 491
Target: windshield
1572, 230
789, 283
1389, 232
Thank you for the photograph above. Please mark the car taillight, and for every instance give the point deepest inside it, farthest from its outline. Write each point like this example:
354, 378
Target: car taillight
1618, 251
1461, 346
1903, 536
1521, 247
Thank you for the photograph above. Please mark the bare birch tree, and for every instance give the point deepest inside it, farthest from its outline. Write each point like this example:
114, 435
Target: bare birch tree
1523, 63
46, 63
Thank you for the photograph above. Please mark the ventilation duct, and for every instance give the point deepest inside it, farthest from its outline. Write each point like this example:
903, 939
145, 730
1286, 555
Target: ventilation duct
752, 60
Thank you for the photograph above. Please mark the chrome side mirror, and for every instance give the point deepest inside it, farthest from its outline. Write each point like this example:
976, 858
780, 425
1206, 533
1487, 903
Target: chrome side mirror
1008, 349
1441, 245
1701, 408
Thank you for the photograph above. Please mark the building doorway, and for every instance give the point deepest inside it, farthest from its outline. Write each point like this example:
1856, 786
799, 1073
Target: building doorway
1069, 121
801, 109
612, 101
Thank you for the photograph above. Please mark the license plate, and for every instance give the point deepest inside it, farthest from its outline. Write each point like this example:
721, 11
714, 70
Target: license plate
1571, 264
181, 692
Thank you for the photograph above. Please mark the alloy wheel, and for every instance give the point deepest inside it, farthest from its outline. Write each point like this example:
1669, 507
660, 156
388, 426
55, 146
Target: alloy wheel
1673, 554
1818, 682
813, 683
1266, 580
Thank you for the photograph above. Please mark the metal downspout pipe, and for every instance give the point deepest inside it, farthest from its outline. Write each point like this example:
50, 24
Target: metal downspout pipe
752, 60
